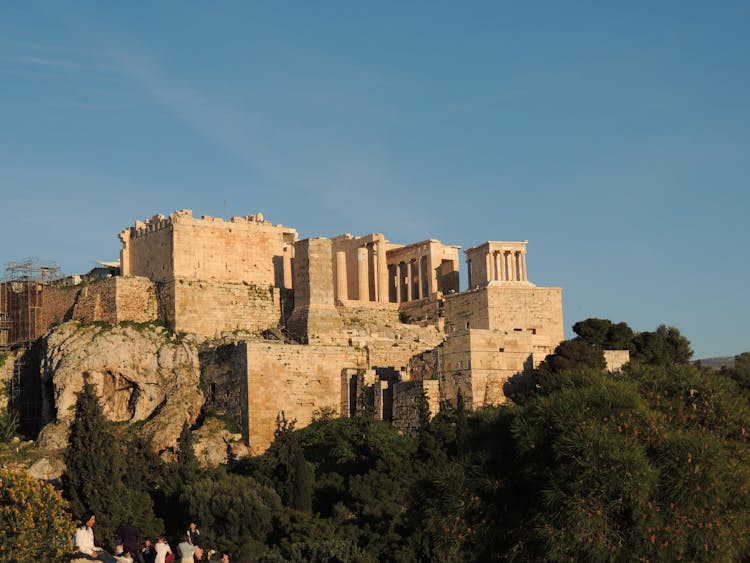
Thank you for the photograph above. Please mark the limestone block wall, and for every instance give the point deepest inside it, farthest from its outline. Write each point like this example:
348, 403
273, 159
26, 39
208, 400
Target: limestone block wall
616, 359
238, 250
407, 396
135, 299
369, 316
244, 249
314, 317
394, 353
58, 303
148, 249
481, 363
96, 302
425, 311
466, 310
111, 300
535, 310
209, 307
296, 379
510, 310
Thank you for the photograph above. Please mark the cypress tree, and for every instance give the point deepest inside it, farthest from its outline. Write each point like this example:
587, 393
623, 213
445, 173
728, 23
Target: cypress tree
187, 464
94, 468
461, 424
294, 477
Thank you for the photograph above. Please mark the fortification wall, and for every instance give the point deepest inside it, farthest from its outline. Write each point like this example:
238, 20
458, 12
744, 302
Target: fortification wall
394, 353
244, 249
211, 307
295, 379
466, 310
148, 249
58, 304
136, 299
510, 310
481, 363
314, 319
111, 300
407, 397
239, 250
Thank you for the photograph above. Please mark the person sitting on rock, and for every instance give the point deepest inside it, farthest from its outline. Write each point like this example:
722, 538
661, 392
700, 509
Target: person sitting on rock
84, 541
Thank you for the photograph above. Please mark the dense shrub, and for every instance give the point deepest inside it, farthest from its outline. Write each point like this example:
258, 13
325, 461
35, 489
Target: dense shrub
34, 521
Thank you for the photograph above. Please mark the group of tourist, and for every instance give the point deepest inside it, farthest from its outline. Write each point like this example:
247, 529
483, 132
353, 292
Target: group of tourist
132, 549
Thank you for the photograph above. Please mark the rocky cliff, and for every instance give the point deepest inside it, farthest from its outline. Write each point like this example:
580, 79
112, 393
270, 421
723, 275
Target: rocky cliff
141, 372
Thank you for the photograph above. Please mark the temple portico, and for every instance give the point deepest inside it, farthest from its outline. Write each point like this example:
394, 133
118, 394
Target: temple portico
418, 270
360, 268
497, 262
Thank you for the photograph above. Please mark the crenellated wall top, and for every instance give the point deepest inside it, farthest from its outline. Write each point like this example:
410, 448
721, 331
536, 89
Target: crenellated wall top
160, 222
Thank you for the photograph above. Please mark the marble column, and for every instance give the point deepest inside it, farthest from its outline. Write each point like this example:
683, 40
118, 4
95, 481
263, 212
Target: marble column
382, 273
409, 275
401, 287
362, 267
342, 292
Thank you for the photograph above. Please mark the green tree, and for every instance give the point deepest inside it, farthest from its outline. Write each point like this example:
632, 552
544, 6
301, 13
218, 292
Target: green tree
34, 520
144, 474
93, 480
293, 474
666, 346
236, 513
569, 355
649, 465
604, 334
740, 371
461, 423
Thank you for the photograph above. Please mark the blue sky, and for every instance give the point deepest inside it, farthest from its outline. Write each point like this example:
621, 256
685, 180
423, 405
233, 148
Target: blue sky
614, 136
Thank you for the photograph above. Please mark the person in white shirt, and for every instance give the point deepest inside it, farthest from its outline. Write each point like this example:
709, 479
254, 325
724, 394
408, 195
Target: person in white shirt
161, 547
85, 543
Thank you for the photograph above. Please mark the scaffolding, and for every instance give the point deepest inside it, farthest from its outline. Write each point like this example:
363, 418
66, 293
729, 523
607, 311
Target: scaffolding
22, 300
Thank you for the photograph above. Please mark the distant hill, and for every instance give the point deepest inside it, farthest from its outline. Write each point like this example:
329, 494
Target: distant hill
717, 363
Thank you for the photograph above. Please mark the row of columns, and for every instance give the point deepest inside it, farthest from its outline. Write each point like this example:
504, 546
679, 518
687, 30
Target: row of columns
372, 273
507, 265
408, 280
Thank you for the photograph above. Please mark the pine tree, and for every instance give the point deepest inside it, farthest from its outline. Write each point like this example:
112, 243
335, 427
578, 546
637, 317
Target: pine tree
93, 478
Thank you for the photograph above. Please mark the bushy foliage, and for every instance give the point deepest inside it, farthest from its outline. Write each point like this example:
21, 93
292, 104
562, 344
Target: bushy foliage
34, 521
666, 346
569, 355
236, 513
604, 334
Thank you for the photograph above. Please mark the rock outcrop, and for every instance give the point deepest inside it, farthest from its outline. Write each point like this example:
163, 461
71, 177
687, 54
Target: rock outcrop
214, 444
141, 372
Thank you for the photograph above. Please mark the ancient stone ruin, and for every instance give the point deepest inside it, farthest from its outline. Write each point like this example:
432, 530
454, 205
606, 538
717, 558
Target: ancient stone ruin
301, 326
